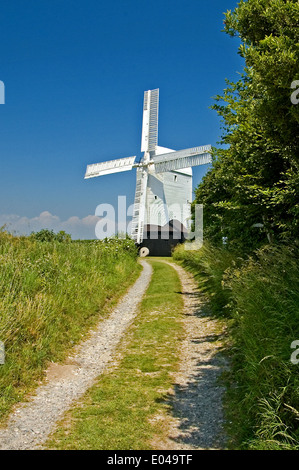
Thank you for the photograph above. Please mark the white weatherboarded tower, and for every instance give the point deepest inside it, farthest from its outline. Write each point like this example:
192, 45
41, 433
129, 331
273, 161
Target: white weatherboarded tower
164, 176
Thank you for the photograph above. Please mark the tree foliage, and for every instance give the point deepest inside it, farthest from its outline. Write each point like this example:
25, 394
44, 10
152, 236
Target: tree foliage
250, 194
46, 235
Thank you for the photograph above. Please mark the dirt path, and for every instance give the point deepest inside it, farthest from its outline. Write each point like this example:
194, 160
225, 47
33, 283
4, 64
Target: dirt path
31, 423
196, 420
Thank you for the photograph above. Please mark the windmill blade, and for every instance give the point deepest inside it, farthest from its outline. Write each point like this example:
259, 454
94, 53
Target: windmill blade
139, 206
111, 166
182, 159
149, 138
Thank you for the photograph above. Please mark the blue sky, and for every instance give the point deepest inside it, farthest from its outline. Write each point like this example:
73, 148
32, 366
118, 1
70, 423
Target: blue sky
75, 73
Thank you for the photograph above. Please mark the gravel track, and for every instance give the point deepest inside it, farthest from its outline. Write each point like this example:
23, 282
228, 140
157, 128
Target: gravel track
195, 420
31, 423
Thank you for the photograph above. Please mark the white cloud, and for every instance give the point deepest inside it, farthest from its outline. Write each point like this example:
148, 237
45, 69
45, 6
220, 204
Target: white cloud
78, 228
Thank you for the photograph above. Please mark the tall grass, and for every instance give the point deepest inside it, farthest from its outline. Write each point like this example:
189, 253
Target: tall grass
260, 295
208, 266
51, 294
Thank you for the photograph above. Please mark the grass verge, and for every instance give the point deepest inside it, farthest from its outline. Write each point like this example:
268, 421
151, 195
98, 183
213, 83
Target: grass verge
52, 293
259, 298
120, 411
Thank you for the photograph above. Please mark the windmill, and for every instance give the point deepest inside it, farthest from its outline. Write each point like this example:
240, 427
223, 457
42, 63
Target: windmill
163, 178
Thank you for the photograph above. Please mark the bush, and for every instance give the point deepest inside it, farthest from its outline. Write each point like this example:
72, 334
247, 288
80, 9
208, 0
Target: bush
46, 235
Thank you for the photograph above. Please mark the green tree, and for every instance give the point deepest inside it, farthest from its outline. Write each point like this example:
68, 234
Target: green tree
251, 192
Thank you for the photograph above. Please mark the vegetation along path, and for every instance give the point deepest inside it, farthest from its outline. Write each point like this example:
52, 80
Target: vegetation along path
193, 416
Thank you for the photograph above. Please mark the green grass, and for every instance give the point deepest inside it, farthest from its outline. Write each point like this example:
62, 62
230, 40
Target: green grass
118, 412
208, 265
259, 298
51, 294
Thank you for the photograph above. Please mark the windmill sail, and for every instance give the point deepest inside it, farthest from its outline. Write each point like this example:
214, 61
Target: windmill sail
111, 166
139, 205
182, 159
149, 138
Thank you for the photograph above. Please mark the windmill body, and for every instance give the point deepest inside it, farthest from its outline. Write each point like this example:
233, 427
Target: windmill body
163, 178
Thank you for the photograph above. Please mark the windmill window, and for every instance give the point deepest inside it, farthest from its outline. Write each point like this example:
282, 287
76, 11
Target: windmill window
175, 177
156, 197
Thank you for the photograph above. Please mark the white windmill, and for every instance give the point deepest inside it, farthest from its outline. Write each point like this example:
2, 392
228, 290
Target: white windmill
164, 176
